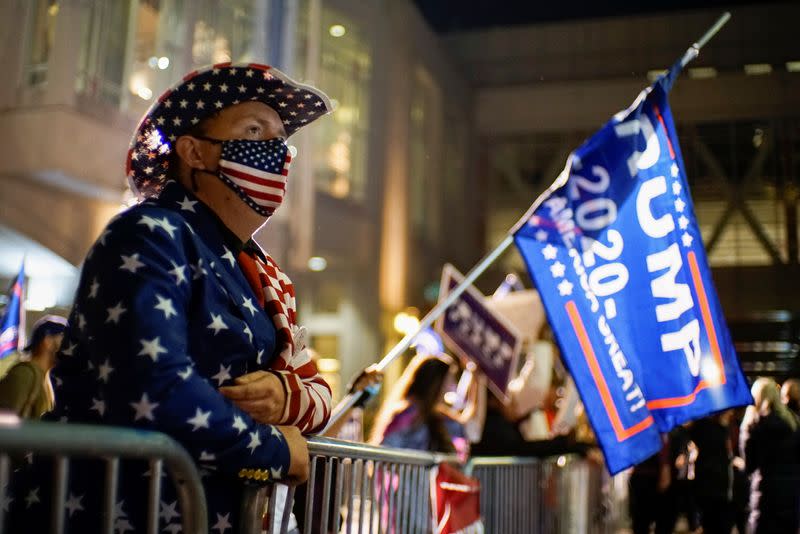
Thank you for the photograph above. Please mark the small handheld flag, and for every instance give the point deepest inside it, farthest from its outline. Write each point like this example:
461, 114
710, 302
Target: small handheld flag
12, 322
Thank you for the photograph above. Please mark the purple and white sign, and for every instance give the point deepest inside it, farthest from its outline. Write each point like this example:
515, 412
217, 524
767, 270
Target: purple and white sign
473, 331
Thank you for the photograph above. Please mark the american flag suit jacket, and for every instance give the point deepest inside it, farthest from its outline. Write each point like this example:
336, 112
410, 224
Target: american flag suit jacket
163, 317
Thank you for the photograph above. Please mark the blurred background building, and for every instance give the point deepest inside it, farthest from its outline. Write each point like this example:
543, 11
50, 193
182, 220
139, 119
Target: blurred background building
450, 121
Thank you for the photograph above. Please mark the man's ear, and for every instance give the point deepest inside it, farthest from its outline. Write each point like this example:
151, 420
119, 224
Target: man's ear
188, 149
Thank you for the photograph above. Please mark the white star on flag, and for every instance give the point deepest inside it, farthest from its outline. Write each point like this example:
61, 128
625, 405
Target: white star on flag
115, 313
687, 240
198, 270
248, 332
673, 170
259, 356
150, 222
217, 324
32, 498
151, 348
144, 408
131, 263
81, 321
178, 272
93, 289
223, 523
683, 222
248, 303
679, 205
99, 406
200, 420
229, 256
73, 504
275, 432
165, 224
104, 371
565, 288
549, 252
541, 235
255, 441
223, 374
207, 456
103, 236
175, 528
557, 269
165, 305
169, 511
239, 424
187, 204
676, 188
69, 350
186, 373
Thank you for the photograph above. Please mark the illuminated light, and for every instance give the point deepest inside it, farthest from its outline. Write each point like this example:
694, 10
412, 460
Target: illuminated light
317, 263
152, 62
562, 461
163, 62
702, 73
405, 322
293, 151
337, 30
145, 93
793, 66
328, 365
428, 342
710, 371
653, 75
52, 10
757, 69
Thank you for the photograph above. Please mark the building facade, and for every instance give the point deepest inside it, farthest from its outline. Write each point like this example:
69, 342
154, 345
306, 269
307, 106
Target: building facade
541, 90
374, 193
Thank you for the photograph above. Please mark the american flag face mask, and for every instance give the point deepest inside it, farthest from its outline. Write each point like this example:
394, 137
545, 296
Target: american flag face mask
255, 170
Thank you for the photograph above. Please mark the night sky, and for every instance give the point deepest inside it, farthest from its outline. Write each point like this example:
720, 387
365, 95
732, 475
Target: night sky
454, 15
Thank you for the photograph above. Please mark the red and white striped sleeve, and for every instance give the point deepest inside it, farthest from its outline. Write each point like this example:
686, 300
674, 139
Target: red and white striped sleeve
308, 396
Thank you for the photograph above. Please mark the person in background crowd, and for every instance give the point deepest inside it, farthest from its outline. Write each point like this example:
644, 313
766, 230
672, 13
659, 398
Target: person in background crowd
648, 500
713, 475
26, 389
790, 395
414, 415
771, 450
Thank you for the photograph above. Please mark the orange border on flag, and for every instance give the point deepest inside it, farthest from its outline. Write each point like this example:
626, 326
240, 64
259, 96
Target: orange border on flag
708, 323
620, 431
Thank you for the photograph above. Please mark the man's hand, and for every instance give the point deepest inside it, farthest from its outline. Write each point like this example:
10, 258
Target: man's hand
260, 394
298, 455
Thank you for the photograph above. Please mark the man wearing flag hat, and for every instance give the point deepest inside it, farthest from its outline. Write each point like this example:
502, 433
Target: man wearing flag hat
181, 323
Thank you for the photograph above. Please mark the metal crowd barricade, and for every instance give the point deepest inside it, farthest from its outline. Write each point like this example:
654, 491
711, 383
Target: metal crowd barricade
111, 444
563, 494
354, 489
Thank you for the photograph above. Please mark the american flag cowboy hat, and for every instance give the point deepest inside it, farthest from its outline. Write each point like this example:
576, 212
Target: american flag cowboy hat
203, 93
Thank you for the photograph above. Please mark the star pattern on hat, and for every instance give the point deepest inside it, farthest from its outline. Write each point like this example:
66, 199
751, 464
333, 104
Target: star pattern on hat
221, 86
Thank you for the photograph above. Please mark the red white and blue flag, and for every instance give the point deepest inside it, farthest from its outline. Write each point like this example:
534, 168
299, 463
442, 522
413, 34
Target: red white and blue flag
617, 256
12, 322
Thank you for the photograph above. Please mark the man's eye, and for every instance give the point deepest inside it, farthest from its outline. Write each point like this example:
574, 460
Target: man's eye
254, 130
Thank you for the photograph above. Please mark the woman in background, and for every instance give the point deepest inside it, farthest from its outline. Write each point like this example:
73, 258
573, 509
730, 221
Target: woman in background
770, 445
414, 415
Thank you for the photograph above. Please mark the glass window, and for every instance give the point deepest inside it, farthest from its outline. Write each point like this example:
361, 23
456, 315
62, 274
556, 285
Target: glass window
41, 32
223, 31
425, 105
158, 48
340, 160
101, 64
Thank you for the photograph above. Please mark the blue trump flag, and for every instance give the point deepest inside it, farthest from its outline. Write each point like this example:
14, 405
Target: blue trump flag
11, 323
616, 253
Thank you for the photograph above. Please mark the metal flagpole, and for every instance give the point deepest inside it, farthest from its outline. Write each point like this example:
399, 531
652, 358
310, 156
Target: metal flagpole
350, 399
